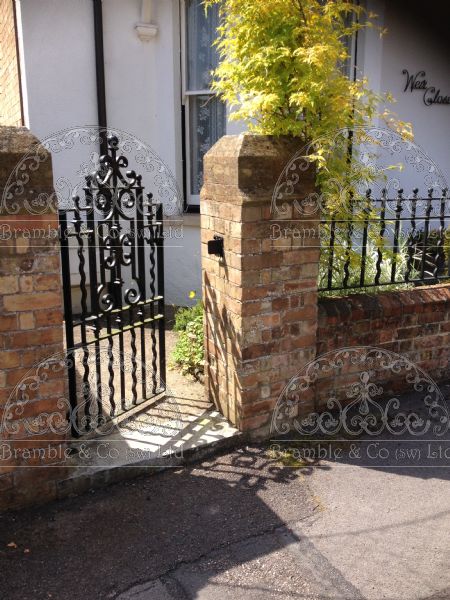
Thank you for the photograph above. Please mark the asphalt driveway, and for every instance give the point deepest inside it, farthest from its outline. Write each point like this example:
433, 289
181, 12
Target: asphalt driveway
243, 525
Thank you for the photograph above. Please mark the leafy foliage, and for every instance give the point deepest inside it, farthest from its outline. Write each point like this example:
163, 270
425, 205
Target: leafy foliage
284, 70
400, 259
188, 352
186, 314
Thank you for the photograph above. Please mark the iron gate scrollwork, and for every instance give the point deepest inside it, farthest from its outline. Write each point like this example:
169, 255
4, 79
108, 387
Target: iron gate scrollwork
114, 238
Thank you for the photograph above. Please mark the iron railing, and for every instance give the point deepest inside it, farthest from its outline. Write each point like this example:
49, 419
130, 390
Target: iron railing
387, 242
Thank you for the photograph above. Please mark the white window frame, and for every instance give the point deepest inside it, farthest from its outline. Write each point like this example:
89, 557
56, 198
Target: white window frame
186, 95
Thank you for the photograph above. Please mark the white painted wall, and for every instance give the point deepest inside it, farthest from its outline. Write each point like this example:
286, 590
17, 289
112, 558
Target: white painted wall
143, 78
416, 40
183, 260
58, 71
143, 85
143, 89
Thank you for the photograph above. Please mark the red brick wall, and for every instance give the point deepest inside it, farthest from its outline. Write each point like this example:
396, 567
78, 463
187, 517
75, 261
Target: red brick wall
10, 101
264, 323
33, 427
412, 323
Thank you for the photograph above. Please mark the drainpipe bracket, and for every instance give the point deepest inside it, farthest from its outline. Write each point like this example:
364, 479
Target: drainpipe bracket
146, 31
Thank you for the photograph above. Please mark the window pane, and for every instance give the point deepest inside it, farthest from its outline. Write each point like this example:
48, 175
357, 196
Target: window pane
207, 121
202, 57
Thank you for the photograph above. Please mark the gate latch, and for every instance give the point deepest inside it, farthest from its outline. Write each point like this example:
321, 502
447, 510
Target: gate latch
215, 246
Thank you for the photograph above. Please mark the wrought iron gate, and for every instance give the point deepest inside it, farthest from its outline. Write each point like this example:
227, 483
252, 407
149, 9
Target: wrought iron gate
112, 256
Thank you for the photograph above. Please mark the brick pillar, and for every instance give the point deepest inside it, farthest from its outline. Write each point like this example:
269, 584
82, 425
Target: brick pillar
261, 298
32, 417
10, 92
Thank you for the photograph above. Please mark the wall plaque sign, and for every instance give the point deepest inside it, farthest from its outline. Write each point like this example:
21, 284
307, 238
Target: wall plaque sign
417, 82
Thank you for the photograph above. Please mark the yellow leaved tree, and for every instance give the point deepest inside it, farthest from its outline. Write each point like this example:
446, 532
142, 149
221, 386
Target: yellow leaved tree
285, 70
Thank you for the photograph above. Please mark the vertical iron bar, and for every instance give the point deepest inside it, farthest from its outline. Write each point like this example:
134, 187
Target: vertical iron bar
411, 236
331, 254
153, 233
398, 211
104, 232
68, 316
108, 291
349, 247
95, 311
118, 282
440, 248
364, 239
142, 281
382, 231
77, 221
131, 314
161, 310
112, 390
446, 237
425, 234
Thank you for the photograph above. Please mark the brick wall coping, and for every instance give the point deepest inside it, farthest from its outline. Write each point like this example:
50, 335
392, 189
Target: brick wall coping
383, 304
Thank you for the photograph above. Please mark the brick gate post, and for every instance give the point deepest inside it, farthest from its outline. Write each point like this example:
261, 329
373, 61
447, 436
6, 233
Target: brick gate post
33, 405
260, 299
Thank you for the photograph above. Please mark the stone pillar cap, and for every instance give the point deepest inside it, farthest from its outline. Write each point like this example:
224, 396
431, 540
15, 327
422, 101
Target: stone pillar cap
25, 173
254, 164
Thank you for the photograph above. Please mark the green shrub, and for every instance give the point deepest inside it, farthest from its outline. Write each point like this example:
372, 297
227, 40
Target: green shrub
188, 352
184, 315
